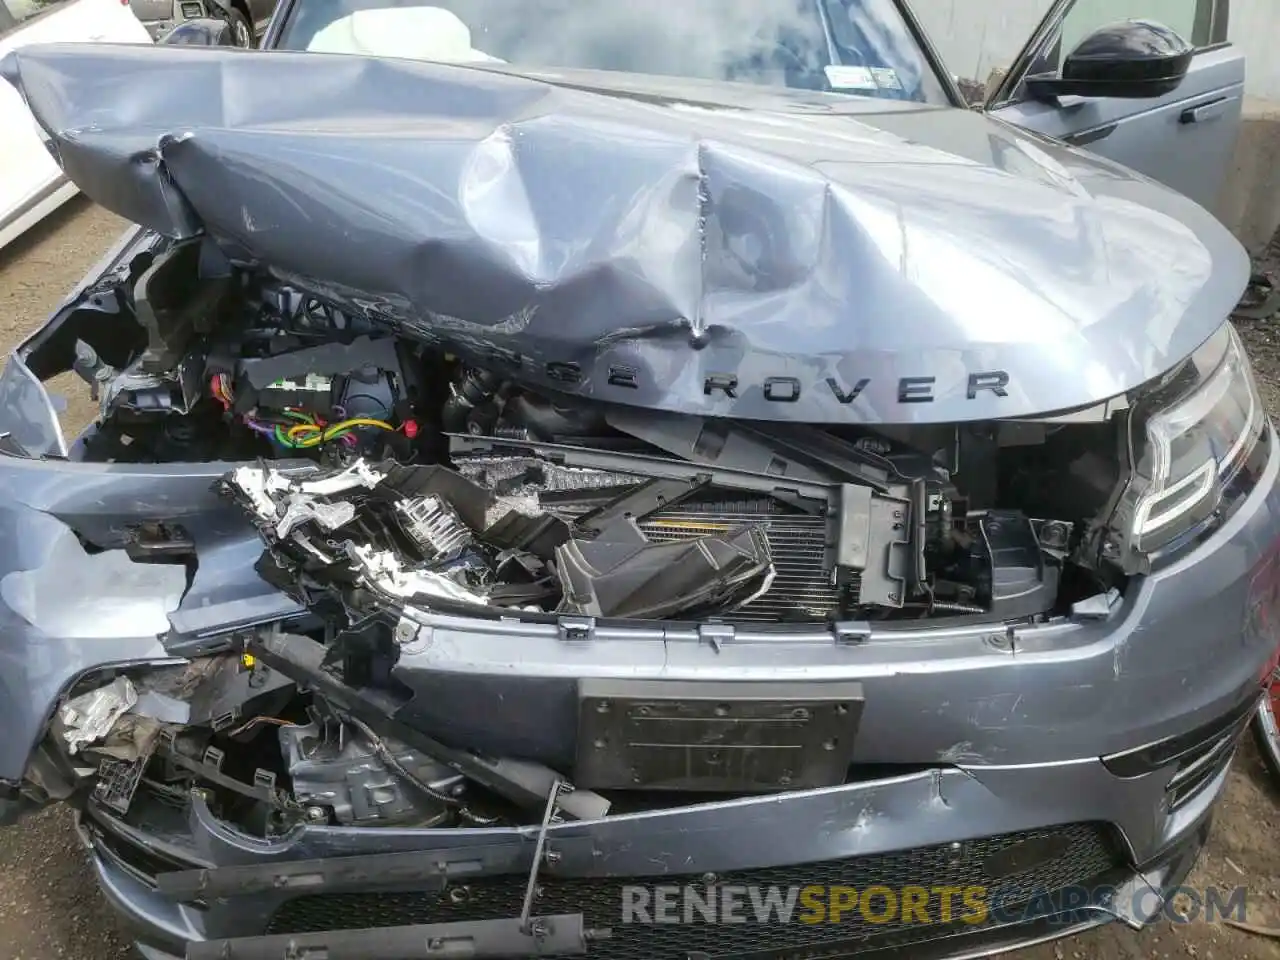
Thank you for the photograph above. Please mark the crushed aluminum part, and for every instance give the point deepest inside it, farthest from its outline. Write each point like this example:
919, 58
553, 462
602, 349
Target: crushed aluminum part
300, 509
359, 474
258, 483
385, 572
433, 525
91, 716
524, 505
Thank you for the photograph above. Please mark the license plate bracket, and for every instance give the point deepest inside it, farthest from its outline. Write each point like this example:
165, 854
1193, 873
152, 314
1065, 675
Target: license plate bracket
715, 736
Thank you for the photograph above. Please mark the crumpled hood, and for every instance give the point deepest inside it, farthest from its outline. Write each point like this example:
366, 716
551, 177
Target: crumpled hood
688, 246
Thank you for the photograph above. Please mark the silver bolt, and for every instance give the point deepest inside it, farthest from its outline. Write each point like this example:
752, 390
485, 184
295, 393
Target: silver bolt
317, 815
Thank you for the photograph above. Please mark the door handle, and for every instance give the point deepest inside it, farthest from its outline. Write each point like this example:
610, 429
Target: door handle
1091, 136
1207, 111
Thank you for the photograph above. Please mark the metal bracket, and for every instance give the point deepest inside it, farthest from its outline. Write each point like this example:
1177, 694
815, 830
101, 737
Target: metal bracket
530, 925
716, 634
412, 637
523, 782
577, 628
851, 633
406, 631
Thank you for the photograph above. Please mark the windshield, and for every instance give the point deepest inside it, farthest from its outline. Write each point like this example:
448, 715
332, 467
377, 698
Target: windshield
856, 47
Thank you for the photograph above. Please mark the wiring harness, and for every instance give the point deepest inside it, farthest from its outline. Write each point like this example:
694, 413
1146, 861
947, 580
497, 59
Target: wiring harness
298, 430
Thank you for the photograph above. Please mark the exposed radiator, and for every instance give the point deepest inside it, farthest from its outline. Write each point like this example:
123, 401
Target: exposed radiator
801, 588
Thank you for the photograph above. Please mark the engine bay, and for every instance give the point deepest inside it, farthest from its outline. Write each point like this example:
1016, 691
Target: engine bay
426, 476
388, 478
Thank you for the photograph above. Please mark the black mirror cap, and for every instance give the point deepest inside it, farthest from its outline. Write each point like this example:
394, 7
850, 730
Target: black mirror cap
201, 32
1131, 59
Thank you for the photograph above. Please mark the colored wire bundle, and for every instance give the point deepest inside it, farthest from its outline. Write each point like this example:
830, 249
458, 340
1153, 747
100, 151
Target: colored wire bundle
299, 431
309, 434
220, 387
312, 433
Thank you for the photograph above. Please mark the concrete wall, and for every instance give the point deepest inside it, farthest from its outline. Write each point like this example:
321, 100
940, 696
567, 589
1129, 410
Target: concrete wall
977, 36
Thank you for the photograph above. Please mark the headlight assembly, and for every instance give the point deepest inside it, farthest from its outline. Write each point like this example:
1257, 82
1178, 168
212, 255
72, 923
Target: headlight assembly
1187, 451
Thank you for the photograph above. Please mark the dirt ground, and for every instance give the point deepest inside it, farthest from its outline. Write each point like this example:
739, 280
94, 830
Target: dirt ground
50, 906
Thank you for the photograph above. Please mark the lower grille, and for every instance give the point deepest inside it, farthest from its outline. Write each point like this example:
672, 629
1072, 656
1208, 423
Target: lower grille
801, 588
132, 857
1203, 764
1016, 869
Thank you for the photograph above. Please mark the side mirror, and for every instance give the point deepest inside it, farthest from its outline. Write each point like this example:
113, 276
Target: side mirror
1133, 59
202, 32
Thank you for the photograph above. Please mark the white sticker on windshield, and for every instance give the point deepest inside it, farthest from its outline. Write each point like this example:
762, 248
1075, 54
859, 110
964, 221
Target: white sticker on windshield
886, 78
842, 77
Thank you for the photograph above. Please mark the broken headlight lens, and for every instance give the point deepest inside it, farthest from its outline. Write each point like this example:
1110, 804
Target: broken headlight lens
1196, 445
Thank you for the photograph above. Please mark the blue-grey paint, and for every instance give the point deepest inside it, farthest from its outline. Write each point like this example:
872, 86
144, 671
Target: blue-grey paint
672, 230
910, 241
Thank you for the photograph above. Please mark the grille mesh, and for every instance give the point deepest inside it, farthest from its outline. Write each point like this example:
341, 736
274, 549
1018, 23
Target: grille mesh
1081, 854
801, 589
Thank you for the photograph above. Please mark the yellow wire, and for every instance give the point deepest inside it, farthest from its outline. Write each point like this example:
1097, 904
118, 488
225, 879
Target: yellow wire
310, 435
358, 422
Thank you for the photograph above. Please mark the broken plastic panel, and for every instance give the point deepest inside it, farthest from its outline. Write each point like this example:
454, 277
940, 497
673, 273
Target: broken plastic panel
622, 574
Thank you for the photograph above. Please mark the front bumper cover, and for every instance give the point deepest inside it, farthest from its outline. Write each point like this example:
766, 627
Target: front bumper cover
413, 880
1003, 729
1007, 730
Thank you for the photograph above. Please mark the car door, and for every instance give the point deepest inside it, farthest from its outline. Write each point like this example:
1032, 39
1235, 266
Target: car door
1184, 139
31, 183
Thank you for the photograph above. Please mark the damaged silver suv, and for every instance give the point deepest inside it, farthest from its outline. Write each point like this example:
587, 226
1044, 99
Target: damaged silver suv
556, 462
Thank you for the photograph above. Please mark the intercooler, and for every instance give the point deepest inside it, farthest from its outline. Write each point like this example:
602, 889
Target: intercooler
801, 590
